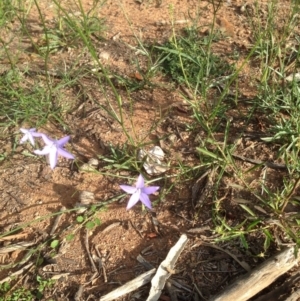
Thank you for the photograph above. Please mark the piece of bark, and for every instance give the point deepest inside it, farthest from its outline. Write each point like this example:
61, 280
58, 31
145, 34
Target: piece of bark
295, 296
17, 273
18, 246
259, 278
129, 286
147, 265
166, 268
282, 292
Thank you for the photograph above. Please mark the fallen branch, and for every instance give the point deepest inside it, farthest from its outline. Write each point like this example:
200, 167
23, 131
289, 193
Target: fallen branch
129, 286
17, 273
166, 269
259, 278
295, 296
283, 290
18, 246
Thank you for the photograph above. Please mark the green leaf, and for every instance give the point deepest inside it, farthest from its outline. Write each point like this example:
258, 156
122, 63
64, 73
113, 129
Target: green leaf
97, 221
54, 243
208, 153
246, 208
80, 219
253, 224
267, 243
90, 225
243, 241
70, 237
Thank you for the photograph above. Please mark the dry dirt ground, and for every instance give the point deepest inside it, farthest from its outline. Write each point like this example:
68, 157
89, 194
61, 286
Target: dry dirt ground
30, 189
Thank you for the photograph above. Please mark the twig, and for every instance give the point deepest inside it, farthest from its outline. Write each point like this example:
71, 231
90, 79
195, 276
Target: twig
171, 291
102, 264
14, 236
129, 286
147, 265
166, 268
94, 269
180, 285
117, 269
111, 226
199, 292
56, 221
19, 272
243, 264
258, 162
207, 187
139, 232
18, 246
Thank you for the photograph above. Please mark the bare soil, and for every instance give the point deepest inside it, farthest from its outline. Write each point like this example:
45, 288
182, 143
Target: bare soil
30, 189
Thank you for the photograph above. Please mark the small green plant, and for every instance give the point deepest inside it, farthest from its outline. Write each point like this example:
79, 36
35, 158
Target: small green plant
26, 294
43, 285
187, 59
121, 157
7, 11
21, 104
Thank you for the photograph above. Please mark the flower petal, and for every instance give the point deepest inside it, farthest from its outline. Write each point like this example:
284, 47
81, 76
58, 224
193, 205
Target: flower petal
128, 189
24, 131
53, 157
44, 151
31, 139
140, 183
133, 199
62, 152
35, 134
61, 142
47, 140
145, 200
24, 139
150, 189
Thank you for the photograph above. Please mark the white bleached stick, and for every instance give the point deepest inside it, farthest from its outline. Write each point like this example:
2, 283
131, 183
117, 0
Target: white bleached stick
129, 286
253, 282
165, 269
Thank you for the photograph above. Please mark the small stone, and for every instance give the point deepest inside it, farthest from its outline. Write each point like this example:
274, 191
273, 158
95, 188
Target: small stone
86, 197
93, 162
172, 138
104, 55
87, 167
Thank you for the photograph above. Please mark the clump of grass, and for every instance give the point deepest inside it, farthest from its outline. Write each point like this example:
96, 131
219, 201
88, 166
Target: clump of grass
23, 104
188, 60
7, 11
35, 292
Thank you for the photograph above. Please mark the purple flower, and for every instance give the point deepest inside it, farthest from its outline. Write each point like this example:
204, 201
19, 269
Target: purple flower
54, 148
139, 192
28, 135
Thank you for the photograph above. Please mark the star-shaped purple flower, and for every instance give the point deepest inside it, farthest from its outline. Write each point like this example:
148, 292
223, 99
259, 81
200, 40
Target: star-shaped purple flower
139, 192
29, 134
54, 148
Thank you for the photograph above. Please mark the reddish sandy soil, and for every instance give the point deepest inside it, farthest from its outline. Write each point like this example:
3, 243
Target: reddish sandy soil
31, 190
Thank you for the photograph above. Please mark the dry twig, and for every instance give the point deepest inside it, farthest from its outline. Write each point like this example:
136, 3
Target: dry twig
129, 286
165, 269
250, 284
94, 269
